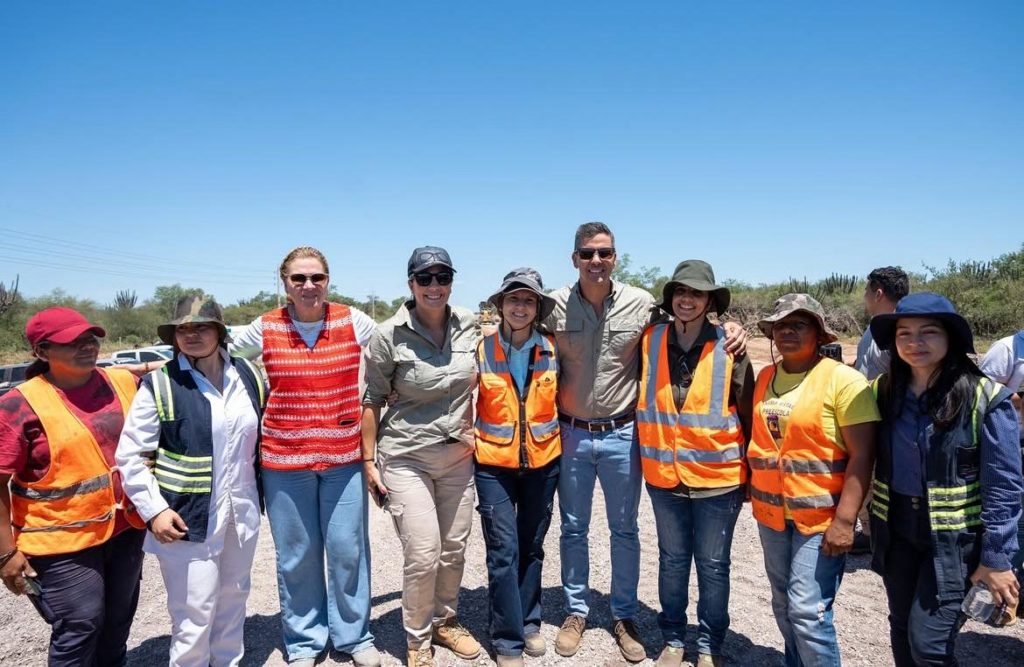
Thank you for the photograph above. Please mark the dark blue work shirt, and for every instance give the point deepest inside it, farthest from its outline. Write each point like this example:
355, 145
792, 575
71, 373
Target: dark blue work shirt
1001, 483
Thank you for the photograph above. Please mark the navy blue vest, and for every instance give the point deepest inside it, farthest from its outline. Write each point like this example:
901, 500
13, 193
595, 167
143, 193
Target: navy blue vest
184, 459
953, 479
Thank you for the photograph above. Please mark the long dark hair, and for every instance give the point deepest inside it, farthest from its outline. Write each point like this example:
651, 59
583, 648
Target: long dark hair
952, 384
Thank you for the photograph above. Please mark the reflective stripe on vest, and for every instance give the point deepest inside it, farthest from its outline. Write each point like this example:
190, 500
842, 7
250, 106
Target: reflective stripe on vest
72, 507
501, 410
700, 445
806, 472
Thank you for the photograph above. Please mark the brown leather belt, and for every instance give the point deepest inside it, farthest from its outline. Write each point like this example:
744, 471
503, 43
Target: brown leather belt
599, 425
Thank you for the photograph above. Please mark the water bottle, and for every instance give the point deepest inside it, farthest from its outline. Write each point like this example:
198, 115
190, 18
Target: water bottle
980, 606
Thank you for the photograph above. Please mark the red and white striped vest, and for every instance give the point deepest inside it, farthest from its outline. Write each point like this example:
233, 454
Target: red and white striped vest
313, 410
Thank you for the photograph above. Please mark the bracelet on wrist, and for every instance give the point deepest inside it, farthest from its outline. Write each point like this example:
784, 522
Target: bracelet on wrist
8, 556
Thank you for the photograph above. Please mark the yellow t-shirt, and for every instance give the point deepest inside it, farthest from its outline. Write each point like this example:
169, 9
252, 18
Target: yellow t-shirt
848, 401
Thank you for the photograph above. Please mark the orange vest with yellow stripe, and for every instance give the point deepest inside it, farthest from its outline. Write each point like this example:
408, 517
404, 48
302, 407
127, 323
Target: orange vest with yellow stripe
701, 445
72, 506
512, 430
806, 473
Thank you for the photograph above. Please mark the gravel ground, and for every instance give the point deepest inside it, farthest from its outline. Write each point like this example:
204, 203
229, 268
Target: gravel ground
860, 611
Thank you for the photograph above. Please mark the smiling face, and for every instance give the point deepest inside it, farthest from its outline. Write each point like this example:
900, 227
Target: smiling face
72, 359
310, 294
689, 304
595, 269
434, 295
922, 342
197, 339
519, 308
796, 336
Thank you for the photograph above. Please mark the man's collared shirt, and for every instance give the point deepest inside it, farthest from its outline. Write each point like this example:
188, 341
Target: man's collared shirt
599, 356
434, 385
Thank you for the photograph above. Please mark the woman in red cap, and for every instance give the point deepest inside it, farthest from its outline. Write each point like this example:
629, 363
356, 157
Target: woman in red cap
67, 538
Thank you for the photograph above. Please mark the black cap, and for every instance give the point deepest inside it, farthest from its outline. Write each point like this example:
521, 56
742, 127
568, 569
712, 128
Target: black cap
428, 256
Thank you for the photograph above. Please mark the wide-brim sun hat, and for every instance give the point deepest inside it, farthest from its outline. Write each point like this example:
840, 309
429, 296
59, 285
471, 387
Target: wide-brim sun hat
695, 274
794, 302
528, 279
426, 257
922, 304
194, 310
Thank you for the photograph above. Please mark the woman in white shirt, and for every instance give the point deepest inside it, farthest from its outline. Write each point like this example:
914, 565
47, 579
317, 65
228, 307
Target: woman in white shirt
199, 417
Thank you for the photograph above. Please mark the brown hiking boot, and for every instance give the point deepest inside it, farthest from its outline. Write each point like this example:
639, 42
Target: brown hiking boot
535, 645
671, 656
568, 640
421, 657
708, 660
628, 640
456, 639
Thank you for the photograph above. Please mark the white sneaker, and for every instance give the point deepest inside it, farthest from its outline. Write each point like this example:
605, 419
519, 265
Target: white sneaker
368, 657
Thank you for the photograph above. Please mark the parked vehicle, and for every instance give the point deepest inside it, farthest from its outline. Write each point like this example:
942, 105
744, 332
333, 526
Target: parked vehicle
11, 376
143, 354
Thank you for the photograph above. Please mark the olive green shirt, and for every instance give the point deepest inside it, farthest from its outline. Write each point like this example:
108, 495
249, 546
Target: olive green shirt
434, 386
599, 356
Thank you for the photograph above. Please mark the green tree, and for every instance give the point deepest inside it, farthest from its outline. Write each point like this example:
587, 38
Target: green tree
165, 298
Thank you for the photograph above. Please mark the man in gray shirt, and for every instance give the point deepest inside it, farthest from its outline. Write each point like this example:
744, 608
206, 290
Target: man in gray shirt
886, 286
597, 323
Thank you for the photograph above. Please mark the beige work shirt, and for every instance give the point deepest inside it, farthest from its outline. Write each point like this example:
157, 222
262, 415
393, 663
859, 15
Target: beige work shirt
599, 357
434, 385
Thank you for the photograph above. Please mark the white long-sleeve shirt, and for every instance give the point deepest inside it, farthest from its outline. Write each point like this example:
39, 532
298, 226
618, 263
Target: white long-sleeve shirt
234, 499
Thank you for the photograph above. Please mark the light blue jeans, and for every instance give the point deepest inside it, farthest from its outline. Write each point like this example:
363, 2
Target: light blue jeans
312, 513
804, 584
694, 530
613, 458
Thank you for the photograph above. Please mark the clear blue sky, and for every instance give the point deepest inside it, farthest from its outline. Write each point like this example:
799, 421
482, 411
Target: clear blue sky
151, 143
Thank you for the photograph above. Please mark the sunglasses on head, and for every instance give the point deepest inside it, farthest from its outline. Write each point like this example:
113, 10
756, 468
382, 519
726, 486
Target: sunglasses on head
588, 253
299, 279
444, 278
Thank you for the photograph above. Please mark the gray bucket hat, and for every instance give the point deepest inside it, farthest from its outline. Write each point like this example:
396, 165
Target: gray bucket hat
695, 274
528, 279
196, 309
426, 257
788, 304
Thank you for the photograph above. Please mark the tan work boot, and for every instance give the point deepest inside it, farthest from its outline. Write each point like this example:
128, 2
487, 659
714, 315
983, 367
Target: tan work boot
628, 640
671, 656
708, 660
568, 640
535, 645
456, 639
422, 657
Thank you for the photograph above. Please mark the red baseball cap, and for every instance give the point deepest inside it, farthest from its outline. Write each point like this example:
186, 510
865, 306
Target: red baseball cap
58, 325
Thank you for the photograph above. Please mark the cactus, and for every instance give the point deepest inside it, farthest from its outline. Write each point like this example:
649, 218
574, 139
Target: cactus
8, 295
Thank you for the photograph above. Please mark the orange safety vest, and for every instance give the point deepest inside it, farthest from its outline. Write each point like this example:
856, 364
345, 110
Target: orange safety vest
515, 431
702, 445
807, 472
72, 506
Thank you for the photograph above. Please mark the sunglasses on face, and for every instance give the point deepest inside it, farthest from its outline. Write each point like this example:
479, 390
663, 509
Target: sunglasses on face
587, 254
300, 279
444, 278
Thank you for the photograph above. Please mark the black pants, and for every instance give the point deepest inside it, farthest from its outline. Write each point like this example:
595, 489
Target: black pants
922, 630
89, 599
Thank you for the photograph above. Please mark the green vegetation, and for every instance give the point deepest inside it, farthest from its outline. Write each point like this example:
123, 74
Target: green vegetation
989, 294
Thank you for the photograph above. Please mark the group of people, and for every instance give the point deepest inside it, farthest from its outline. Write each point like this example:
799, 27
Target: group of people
596, 382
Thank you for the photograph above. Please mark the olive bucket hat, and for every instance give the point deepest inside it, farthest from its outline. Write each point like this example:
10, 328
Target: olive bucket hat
788, 304
194, 309
695, 274
528, 279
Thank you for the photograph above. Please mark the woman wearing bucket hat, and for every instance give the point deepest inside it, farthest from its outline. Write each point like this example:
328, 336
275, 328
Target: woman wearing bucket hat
419, 456
517, 450
198, 416
810, 456
947, 487
310, 462
693, 420
67, 536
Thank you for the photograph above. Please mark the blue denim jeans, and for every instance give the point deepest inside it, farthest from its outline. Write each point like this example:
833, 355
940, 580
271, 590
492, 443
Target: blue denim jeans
515, 513
312, 513
694, 530
804, 583
612, 457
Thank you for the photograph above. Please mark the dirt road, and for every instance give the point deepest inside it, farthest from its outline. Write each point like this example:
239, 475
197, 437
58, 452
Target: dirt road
860, 611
